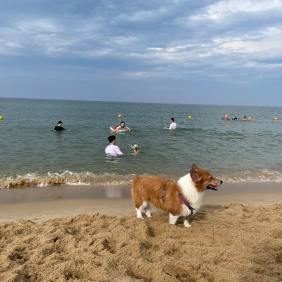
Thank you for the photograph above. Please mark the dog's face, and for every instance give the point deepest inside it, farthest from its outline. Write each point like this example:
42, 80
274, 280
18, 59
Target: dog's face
203, 179
136, 148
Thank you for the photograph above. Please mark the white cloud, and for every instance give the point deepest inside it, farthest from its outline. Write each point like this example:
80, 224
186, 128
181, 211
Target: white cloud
146, 15
36, 26
124, 41
225, 8
262, 65
156, 48
269, 44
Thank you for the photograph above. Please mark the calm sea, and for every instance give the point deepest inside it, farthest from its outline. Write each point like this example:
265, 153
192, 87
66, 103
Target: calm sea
236, 151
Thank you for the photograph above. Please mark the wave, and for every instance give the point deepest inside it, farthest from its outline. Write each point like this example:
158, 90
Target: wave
65, 178
91, 179
251, 177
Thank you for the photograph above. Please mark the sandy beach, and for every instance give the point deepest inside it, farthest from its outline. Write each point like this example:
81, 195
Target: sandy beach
92, 234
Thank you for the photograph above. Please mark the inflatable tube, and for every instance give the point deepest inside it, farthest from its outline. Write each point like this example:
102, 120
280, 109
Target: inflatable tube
114, 127
226, 117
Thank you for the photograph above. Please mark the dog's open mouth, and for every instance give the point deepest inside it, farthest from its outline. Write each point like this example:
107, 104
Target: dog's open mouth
212, 187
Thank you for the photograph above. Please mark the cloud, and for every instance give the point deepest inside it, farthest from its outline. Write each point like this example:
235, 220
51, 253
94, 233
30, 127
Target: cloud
226, 8
145, 39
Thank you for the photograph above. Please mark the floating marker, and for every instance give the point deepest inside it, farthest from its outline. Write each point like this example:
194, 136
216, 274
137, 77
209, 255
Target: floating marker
249, 118
190, 117
119, 115
275, 118
1, 117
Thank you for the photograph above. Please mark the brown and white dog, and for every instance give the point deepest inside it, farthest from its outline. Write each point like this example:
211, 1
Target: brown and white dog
181, 198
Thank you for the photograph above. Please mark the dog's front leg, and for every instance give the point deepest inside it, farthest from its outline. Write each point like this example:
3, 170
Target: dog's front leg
173, 218
139, 212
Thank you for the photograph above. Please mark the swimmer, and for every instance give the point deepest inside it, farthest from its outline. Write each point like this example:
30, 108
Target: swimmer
173, 125
122, 127
59, 127
244, 118
112, 149
226, 117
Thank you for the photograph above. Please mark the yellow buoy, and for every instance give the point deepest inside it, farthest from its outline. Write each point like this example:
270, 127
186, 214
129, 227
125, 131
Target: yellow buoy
189, 117
275, 118
119, 115
1, 117
249, 118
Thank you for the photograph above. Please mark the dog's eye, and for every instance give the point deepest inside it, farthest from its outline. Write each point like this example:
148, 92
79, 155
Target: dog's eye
210, 177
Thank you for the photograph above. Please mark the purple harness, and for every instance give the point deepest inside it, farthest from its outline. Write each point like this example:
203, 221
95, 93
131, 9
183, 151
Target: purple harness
182, 198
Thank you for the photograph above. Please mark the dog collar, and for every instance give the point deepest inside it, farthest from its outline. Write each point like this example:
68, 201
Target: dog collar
163, 196
182, 198
186, 203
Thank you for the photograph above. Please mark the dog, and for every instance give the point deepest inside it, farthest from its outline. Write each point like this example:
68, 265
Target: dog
135, 148
181, 198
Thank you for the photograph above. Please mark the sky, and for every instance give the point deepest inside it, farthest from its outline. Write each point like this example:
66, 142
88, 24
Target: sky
157, 51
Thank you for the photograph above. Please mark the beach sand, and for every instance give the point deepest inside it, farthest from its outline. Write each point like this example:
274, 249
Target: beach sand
92, 234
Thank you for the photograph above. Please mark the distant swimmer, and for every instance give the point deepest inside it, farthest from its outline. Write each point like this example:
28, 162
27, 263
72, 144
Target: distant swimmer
226, 117
173, 125
113, 149
122, 128
244, 118
59, 127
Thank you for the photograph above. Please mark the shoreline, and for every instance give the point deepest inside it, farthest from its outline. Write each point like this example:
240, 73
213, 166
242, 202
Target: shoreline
68, 233
44, 203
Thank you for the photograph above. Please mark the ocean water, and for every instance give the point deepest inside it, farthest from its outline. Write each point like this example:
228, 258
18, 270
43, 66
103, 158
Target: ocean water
32, 154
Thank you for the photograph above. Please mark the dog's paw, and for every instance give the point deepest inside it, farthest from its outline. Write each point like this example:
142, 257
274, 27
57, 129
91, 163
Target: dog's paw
186, 223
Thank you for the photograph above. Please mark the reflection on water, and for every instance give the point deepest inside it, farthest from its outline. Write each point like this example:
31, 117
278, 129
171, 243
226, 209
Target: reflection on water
53, 193
112, 159
113, 192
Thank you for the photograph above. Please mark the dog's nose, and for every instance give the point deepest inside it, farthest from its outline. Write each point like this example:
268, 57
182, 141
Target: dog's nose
220, 182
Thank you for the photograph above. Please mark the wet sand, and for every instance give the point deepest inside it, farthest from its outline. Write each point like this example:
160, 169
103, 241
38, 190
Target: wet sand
92, 234
42, 203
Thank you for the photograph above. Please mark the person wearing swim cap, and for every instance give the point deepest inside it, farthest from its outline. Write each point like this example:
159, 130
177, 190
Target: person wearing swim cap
173, 125
59, 127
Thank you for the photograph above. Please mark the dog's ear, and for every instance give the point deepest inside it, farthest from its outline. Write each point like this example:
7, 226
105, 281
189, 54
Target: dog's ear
195, 173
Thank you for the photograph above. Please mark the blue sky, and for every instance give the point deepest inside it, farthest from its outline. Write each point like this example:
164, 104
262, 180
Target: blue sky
198, 52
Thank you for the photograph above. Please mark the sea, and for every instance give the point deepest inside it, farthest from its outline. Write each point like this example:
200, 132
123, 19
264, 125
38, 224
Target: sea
32, 154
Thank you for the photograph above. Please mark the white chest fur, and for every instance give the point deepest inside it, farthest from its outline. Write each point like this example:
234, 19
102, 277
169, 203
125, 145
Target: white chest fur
190, 193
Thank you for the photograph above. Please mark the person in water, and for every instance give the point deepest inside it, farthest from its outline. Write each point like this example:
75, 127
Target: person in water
113, 149
122, 127
59, 127
244, 118
173, 125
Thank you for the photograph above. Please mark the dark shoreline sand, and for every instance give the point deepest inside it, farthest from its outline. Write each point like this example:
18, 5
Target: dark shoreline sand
77, 234
43, 203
